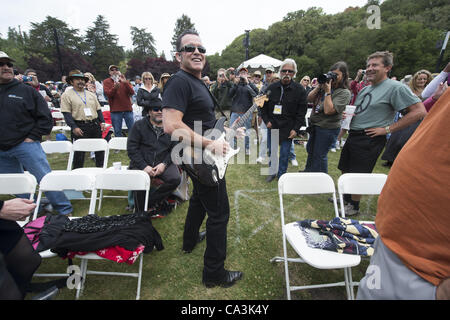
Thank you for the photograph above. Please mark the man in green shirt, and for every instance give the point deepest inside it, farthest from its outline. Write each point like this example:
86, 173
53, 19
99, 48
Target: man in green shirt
376, 106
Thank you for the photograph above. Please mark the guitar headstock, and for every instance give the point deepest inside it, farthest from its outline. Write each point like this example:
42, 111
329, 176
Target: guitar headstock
259, 100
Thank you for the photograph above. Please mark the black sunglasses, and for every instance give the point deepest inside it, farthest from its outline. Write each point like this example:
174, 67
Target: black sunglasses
9, 64
191, 48
287, 71
156, 109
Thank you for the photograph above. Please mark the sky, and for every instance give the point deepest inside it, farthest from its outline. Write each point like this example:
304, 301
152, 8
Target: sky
218, 22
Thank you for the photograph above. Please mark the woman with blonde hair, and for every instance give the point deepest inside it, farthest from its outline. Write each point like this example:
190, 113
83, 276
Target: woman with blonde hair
95, 87
148, 95
163, 80
419, 81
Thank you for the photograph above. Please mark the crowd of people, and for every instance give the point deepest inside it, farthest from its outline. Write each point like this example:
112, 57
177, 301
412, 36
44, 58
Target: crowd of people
171, 106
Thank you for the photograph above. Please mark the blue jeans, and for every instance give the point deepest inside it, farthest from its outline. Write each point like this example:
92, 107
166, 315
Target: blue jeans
116, 120
247, 125
29, 155
319, 143
292, 155
283, 161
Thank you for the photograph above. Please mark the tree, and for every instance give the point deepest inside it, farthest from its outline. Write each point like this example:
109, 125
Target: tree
182, 24
102, 47
143, 43
42, 37
157, 66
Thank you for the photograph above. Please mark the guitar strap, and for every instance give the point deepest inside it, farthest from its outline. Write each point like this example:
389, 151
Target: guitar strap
216, 103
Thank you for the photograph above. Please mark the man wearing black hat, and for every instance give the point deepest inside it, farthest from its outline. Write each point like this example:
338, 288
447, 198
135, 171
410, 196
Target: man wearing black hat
25, 119
83, 114
149, 149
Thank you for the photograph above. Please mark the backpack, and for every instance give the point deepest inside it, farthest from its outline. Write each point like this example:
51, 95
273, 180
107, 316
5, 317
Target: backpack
44, 231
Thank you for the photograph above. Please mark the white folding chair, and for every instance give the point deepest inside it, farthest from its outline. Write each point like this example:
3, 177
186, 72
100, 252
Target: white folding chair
62, 180
117, 180
303, 128
18, 183
51, 147
60, 122
360, 184
115, 143
90, 145
307, 183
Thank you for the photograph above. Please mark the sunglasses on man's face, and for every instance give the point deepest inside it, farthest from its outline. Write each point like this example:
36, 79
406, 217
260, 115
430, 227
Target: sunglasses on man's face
157, 109
9, 64
287, 71
191, 48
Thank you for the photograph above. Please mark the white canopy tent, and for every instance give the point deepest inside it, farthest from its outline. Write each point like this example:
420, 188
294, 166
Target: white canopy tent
260, 62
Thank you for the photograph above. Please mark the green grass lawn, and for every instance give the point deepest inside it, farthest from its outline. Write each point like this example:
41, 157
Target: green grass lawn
254, 237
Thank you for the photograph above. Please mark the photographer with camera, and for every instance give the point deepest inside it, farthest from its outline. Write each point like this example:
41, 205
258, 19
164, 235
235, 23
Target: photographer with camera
243, 91
358, 84
329, 99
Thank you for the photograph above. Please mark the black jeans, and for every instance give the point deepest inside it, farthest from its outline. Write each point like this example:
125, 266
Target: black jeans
90, 130
171, 178
214, 202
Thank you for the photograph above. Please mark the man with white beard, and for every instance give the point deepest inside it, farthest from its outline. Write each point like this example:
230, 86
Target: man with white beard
285, 111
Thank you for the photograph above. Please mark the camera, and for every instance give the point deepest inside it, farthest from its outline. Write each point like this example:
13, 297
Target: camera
324, 78
363, 72
27, 78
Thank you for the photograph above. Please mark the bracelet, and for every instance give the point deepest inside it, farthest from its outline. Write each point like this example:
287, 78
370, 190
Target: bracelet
327, 94
388, 130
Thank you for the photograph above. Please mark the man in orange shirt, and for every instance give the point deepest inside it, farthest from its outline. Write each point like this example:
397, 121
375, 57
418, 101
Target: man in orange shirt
412, 255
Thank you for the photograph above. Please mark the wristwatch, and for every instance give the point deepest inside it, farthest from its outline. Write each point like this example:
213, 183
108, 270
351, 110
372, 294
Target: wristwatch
388, 130
327, 94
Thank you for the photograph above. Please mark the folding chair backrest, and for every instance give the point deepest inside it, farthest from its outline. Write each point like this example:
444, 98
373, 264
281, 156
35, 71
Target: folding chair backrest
18, 183
57, 115
125, 180
118, 143
305, 183
122, 180
67, 180
51, 147
361, 183
91, 145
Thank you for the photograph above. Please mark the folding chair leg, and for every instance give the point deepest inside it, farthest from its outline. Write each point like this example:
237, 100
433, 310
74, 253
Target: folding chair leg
138, 294
83, 268
100, 200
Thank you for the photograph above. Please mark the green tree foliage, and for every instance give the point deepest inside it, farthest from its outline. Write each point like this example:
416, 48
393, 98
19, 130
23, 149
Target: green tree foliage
143, 44
410, 29
102, 47
182, 24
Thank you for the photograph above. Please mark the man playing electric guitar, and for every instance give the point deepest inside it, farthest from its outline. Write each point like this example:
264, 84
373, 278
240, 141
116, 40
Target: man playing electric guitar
187, 100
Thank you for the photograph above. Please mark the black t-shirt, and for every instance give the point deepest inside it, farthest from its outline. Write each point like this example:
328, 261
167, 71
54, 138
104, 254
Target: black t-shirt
188, 94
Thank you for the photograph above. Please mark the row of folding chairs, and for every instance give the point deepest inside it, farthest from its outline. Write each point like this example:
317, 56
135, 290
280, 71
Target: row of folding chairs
86, 145
126, 180
304, 183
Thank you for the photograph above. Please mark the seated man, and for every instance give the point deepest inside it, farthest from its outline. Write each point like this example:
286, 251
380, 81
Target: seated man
149, 149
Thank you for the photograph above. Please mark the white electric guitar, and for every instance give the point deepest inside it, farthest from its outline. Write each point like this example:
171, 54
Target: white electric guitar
216, 165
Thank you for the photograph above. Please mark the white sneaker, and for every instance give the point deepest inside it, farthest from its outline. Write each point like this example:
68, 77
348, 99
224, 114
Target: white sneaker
338, 145
342, 142
333, 149
294, 162
259, 160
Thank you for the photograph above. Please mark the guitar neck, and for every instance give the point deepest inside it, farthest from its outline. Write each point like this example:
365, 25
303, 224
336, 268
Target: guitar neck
243, 119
